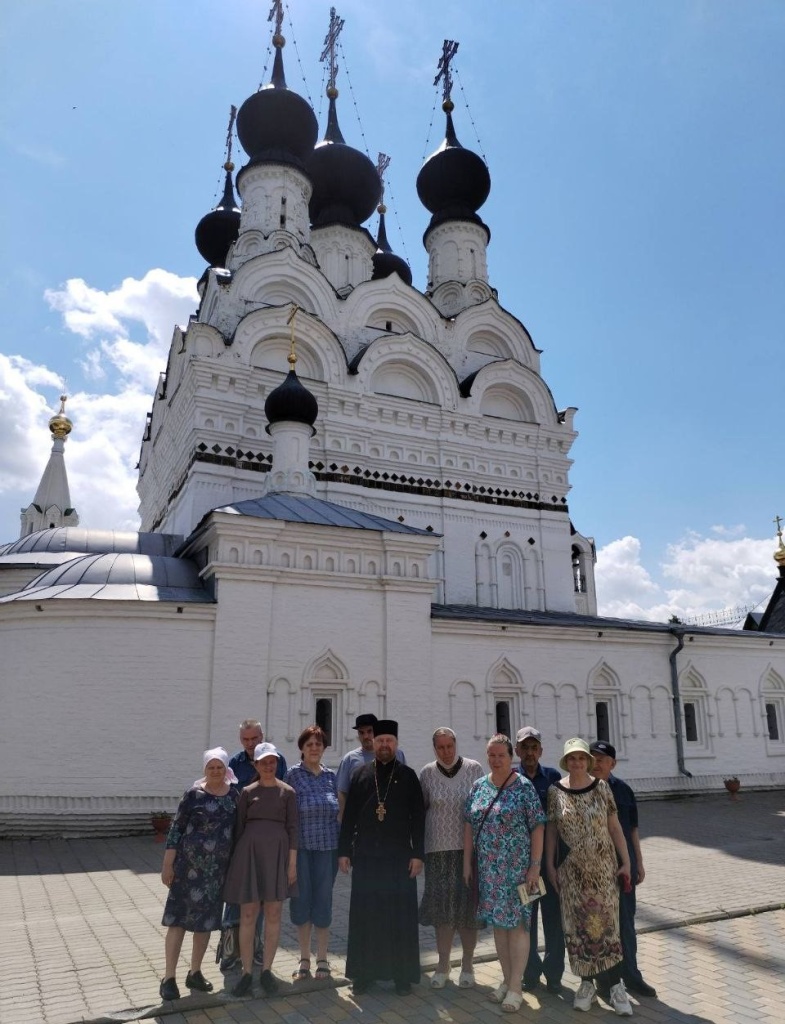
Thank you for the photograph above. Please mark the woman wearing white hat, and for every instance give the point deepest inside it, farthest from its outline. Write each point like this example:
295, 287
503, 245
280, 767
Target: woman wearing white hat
582, 815
263, 868
197, 855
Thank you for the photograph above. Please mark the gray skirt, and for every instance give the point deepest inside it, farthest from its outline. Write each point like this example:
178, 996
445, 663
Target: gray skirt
258, 868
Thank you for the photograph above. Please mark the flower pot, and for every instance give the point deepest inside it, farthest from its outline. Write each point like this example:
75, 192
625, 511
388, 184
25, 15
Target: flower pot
160, 823
732, 786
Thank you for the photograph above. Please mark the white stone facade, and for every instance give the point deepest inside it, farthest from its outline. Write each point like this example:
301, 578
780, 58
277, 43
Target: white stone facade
432, 414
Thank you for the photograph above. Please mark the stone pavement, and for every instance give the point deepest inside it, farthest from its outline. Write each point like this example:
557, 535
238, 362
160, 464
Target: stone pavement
81, 938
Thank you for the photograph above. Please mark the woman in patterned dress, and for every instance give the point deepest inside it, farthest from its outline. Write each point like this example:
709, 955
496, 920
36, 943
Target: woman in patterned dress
195, 861
504, 826
447, 904
582, 814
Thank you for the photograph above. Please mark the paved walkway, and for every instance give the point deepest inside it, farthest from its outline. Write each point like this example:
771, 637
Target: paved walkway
81, 940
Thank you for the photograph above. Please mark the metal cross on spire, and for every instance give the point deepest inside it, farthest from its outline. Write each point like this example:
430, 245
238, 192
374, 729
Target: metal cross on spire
229, 166
444, 70
276, 11
292, 357
328, 53
778, 521
382, 163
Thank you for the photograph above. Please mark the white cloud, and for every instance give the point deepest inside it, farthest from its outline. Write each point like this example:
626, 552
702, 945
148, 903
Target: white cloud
107, 322
698, 575
102, 451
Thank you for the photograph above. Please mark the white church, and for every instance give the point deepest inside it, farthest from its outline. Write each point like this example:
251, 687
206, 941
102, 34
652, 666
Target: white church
353, 498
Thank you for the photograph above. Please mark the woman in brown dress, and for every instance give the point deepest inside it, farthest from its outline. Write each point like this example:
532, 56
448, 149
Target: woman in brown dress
582, 814
263, 868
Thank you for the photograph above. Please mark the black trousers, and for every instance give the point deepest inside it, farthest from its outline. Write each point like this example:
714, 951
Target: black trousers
552, 964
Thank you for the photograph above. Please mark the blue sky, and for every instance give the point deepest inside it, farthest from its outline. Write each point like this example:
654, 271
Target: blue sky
637, 213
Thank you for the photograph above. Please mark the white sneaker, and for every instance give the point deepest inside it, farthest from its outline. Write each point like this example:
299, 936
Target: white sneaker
620, 1001
466, 979
584, 997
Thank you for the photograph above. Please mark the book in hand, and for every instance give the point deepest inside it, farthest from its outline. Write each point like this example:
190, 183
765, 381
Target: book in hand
529, 897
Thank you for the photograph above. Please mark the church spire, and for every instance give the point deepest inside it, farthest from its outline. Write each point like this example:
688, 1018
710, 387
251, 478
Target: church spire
51, 506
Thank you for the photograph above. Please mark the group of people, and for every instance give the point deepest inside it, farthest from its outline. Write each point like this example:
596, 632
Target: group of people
504, 847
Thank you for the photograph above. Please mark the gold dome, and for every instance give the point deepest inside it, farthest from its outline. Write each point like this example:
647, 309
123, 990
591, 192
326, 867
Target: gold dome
59, 425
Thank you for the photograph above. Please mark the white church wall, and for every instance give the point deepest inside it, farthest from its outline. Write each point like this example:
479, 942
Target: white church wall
102, 701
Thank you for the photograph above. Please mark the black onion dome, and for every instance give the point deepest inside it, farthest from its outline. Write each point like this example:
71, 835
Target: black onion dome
217, 230
276, 125
346, 185
454, 182
385, 262
291, 402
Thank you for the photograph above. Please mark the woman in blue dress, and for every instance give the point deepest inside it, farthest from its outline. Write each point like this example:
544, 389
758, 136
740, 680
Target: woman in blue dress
504, 830
195, 862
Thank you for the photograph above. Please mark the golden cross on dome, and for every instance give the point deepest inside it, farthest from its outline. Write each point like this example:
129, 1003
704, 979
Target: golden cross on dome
778, 521
444, 69
276, 11
292, 358
328, 53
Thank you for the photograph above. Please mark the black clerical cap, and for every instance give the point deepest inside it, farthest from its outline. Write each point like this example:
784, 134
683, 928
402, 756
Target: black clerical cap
362, 720
385, 727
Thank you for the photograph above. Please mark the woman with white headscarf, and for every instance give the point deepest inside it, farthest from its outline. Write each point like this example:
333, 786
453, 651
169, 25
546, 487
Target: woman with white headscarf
195, 862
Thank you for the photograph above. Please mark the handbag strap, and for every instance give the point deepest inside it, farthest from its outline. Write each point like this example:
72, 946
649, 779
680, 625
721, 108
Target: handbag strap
490, 805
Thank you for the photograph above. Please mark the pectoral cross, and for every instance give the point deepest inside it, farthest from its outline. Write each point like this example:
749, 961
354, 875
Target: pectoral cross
381, 810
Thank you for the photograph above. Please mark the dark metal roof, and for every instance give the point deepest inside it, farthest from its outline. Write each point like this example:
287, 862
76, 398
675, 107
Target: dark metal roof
510, 616
118, 577
293, 508
77, 539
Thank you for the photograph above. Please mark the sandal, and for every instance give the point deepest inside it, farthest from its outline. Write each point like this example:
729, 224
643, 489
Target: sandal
323, 971
303, 972
498, 994
512, 1002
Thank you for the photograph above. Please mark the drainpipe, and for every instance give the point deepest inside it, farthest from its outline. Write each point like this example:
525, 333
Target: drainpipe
679, 634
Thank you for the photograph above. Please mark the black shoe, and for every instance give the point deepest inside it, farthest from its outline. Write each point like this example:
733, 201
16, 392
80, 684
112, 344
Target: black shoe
403, 988
554, 987
640, 988
244, 986
196, 980
229, 963
268, 983
530, 984
360, 986
169, 990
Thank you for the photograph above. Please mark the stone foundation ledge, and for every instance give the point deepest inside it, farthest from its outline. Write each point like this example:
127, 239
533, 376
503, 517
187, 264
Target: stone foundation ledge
674, 786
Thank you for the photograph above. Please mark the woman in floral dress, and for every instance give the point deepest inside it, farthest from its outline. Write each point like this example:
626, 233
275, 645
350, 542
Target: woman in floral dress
582, 813
195, 862
504, 826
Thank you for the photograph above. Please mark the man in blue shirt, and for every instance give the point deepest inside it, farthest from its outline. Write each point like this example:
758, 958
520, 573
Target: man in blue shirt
604, 755
528, 747
243, 767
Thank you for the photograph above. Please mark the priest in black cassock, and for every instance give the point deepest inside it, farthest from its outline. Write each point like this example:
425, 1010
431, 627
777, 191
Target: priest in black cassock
383, 842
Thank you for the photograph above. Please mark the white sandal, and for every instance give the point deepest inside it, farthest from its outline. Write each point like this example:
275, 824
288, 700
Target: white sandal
466, 979
512, 1002
498, 994
439, 980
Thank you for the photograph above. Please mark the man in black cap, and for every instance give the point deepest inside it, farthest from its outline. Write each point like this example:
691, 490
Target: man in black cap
383, 842
361, 755
604, 755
